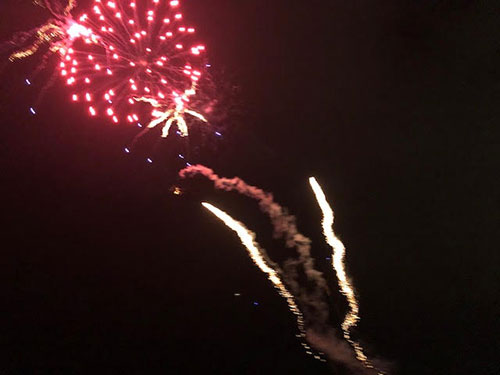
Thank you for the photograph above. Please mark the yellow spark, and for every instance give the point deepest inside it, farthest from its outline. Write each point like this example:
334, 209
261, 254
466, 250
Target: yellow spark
71, 5
170, 115
45, 34
247, 238
338, 247
37, 2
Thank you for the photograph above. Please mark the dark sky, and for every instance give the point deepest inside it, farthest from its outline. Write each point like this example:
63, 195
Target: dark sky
393, 105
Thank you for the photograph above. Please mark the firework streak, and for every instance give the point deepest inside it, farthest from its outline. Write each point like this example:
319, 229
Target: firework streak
58, 33
314, 321
338, 247
283, 223
258, 256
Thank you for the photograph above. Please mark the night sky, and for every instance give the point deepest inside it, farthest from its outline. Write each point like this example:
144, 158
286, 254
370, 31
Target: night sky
393, 105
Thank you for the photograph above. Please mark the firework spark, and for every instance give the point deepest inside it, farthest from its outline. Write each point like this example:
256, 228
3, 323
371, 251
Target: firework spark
58, 32
310, 299
313, 309
284, 227
351, 319
247, 238
141, 53
165, 114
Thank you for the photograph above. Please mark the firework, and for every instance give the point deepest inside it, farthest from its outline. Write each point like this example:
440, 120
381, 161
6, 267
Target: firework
284, 227
141, 64
58, 33
257, 254
53, 38
314, 311
352, 317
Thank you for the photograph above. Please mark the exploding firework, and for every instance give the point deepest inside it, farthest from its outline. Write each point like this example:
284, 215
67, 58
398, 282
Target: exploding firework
140, 65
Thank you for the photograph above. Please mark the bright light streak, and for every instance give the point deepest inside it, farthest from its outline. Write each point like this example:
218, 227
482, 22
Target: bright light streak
49, 33
248, 240
338, 247
58, 33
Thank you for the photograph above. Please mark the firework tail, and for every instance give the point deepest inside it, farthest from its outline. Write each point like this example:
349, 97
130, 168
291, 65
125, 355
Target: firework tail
283, 223
315, 311
338, 264
261, 260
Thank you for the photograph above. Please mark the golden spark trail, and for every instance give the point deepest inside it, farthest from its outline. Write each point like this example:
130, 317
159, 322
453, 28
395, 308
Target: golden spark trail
172, 115
71, 5
247, 238
318, 331
49, 33
45, 34
338, 247
284, 226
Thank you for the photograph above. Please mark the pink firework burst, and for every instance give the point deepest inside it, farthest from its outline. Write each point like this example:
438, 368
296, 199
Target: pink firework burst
138, 52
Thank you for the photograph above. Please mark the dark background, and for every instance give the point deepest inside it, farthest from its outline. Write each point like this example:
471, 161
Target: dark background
392, 105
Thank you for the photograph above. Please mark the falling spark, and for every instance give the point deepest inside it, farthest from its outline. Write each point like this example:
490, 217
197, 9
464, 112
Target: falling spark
58, 32
247, 238
338, 247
